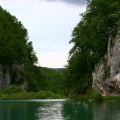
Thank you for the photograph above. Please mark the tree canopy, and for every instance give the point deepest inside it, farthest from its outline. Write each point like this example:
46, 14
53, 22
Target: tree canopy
90, 38
14, 44
17, 57
16, 50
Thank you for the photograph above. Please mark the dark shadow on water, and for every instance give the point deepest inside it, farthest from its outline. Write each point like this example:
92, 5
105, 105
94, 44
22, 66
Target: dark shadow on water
91, 111
77, 111
58, 110
18, 111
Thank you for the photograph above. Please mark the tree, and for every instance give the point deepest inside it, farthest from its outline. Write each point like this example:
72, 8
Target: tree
17, 54
90, 38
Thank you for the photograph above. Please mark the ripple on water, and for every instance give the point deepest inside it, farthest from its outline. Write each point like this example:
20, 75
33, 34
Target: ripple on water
50, 111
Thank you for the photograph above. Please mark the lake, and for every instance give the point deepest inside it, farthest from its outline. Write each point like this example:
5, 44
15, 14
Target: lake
57, 109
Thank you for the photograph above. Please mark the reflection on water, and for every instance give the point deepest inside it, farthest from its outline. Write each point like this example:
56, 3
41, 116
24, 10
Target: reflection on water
32, 110
106, 111
77, 111
58, 110
17, 111
50, 111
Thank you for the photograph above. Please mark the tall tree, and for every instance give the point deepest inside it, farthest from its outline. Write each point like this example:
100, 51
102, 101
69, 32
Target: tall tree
90, 38
17, 54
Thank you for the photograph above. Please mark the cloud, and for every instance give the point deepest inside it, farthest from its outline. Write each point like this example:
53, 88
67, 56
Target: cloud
75, 2
53, 59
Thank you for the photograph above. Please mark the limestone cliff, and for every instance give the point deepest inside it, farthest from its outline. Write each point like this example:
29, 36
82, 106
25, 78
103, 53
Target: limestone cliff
106, 76
7, 76
4, 77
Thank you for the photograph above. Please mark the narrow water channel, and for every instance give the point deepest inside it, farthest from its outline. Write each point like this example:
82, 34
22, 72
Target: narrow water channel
57, 109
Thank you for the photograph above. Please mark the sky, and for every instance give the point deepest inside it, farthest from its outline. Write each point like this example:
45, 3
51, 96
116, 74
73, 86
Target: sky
50, 24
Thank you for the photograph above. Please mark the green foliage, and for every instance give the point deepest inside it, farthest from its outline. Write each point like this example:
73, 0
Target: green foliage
111, 99
90, 96
29, 95
99, 98
18, 58
17, 96
17, 54
13, 39
44, 94
53, 80
34, 76
47, 94
12, 89
94, 96
90, 38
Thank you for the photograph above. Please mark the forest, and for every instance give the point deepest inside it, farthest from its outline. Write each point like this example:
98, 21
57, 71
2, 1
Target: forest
17, 57
90, 37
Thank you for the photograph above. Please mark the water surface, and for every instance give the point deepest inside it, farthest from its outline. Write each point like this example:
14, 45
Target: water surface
57, 109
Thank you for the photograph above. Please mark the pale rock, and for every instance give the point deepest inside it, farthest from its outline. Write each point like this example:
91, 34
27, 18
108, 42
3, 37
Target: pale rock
106, 76
5, 76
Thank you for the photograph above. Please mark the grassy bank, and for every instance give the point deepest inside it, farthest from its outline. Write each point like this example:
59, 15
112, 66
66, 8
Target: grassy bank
29, 95
94, 97
16, 93
111, 99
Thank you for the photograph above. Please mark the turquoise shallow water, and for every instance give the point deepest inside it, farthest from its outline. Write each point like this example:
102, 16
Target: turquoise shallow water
57, 109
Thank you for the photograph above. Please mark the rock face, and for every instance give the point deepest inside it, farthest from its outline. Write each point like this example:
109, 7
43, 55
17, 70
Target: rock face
6, 76
106, 76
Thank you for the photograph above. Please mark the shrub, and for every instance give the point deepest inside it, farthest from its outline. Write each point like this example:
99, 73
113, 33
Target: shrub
98, 98
12, 89
4, 97
47, 94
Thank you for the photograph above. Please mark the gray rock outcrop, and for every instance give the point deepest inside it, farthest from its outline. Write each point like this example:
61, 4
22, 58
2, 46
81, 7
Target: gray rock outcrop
106, 76
6, 77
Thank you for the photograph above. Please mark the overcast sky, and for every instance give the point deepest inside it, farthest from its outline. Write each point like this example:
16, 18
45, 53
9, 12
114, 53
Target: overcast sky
49, 24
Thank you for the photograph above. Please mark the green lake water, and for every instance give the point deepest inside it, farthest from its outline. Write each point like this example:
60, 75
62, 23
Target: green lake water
59, 109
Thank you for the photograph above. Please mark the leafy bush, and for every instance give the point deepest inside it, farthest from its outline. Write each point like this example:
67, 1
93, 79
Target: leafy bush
111, 98
17, 96
88, 97
4, 97
12, 89
47, 94
16, 93
98, 98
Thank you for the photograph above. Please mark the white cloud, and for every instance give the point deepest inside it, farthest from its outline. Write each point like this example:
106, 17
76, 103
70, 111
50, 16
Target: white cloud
49, 26
52, 59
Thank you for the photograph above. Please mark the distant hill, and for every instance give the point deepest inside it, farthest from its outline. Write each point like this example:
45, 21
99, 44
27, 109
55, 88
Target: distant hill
59, 69
53, 79
56, 69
